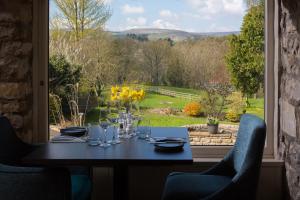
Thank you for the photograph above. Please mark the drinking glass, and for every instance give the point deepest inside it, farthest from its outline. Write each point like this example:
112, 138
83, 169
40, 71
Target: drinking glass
93, 135
104, 124
136, 123
115, 137
147, 129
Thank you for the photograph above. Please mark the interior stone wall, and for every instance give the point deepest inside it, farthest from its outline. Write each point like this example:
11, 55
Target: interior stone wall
16, 64
289, 141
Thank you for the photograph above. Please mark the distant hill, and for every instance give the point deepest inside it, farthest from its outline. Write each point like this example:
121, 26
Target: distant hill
175, 35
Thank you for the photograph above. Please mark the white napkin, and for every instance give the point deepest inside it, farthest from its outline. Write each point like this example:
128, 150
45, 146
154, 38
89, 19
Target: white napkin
66, 139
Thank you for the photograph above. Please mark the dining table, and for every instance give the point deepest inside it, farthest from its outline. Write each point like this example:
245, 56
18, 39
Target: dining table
130, 152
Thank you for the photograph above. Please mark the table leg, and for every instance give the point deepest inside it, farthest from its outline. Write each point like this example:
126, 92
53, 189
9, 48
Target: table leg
121, 188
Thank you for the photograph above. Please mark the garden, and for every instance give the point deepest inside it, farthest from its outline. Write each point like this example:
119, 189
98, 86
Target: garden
207, 80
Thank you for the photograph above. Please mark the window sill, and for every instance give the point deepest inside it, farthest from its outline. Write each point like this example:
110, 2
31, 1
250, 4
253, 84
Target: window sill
267, 162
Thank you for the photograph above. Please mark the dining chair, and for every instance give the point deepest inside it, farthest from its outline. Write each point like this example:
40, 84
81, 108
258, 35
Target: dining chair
235, 177
31, 181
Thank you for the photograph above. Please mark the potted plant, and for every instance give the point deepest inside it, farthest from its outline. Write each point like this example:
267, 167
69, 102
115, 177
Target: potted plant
212, 125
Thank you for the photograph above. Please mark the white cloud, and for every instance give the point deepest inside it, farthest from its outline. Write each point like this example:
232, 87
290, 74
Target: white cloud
127, 9
168, 14
106, 2
234, 6
162, 24
209, 8
136, 23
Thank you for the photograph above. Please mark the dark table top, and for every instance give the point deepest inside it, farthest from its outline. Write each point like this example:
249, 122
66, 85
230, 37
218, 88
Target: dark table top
131, 151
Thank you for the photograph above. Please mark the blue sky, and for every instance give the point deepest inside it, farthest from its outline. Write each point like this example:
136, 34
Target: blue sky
187, 15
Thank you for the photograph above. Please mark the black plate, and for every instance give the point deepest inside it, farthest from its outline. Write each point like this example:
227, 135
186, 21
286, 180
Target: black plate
169, 146
73, 131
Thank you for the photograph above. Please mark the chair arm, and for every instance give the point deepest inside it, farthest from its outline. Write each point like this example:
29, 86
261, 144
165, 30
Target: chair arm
227, 192
18, 183
222, 168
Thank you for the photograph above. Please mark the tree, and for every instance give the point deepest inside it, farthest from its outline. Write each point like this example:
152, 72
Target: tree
61, 74
245, 60
175, 70
251, 3
155, 58
82, 15
99, 68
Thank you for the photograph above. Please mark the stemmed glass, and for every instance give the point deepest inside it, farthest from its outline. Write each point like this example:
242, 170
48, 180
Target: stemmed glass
104, 124
136, 123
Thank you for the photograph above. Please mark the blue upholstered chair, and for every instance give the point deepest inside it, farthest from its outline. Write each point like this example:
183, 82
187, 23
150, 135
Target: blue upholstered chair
18, 182
234, 178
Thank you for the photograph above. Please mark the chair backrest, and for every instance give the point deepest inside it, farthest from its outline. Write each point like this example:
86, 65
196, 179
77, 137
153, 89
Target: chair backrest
12, 149
246, 156
248, 149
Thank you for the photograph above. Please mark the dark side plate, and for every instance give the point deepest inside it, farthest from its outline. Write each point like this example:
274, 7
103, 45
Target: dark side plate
73, 131
169, 147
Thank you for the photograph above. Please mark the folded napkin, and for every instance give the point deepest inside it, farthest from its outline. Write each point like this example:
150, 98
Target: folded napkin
66, 139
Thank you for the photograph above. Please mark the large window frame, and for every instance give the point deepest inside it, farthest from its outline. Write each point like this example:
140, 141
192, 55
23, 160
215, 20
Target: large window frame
40, 80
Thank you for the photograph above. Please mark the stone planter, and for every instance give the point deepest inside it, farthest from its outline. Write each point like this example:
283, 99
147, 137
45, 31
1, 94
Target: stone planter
213, 128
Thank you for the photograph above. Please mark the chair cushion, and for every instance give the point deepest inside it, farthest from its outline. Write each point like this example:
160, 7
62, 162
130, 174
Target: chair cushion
81, 187
192, 186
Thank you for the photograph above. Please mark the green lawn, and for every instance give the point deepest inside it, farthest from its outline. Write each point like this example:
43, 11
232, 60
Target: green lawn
183, 90
161, 101
256, 107
157, 101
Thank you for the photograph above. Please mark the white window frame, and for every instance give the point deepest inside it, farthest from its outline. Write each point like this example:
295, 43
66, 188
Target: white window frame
40, 80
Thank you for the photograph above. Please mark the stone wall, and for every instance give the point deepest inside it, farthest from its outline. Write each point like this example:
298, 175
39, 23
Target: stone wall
289, 136
199, 135
16, 64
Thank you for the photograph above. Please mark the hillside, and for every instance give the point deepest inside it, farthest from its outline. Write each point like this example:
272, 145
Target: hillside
175, 35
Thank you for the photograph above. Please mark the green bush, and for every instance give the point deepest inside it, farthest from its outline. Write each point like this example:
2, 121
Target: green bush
233, 116
61, 74
236, 107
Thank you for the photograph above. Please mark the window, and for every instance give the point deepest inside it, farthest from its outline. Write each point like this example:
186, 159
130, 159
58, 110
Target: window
141, 54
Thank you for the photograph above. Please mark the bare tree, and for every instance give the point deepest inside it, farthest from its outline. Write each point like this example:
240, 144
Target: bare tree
155, 54
82, 15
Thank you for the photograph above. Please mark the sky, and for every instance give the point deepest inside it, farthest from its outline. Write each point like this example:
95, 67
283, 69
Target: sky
186, 15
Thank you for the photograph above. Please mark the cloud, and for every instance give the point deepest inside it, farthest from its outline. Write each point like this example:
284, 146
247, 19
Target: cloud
106, 2
209, 8
234, 6
168, 14
127, 9
136, 23
162, 24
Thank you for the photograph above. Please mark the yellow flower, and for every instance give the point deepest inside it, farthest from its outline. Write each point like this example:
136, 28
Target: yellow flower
114, 90
134, 95
140, 95
126, 94
113, 97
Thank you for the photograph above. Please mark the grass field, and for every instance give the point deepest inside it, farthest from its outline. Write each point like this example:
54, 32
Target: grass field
158, 101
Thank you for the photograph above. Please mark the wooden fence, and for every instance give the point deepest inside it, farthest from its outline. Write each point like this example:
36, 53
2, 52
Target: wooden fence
171, 93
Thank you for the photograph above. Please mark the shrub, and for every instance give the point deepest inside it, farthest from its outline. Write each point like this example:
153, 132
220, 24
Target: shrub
233, 116
192, 109
236, 107
212, 121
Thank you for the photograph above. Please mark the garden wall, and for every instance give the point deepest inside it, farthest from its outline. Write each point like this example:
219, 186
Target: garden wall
16, 64
289, 136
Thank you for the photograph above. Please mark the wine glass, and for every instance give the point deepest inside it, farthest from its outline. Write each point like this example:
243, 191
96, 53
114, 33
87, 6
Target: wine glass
104, 124
136, 123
